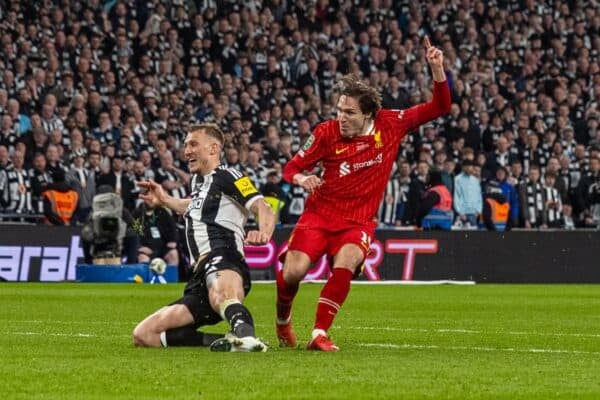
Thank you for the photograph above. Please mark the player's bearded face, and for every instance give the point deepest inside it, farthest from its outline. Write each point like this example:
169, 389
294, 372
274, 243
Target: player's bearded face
351, 118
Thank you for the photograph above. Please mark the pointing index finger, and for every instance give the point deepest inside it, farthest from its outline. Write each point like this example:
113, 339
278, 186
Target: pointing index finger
426, 42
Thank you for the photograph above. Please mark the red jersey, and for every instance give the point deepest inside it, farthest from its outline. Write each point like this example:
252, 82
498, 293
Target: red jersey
356, 170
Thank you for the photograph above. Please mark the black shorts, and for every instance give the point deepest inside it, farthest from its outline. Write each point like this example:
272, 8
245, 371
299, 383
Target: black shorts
195, 294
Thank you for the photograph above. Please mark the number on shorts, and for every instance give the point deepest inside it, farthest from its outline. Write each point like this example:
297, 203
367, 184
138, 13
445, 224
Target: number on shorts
211, 266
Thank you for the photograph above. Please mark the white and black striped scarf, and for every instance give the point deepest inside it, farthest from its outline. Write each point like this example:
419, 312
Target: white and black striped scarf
554, 215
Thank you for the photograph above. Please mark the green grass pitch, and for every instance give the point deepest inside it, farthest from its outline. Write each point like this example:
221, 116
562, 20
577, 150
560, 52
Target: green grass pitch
72, 341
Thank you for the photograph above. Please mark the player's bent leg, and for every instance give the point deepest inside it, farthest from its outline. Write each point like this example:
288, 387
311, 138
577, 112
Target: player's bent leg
151, 331
226, 293
295, 267
189, 336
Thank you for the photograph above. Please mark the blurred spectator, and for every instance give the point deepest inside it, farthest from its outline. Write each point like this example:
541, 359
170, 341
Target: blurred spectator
500, 157
53, 159
516, 175
511, 195
448, 175
255, 170
553, 167
417, 188
588, 195
276, 197
554, 205
495, 213
174, 180
232, 158
80, 179
394, 96
8, 133
533, 199
35, 141
60, 200
119, 181
15, 187
146, 158
435, 208
94, 160
467, 196
40, 178
532, 153
158, 234
297, 196
395, 198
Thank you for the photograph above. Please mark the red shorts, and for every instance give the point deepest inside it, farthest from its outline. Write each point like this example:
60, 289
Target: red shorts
315, 235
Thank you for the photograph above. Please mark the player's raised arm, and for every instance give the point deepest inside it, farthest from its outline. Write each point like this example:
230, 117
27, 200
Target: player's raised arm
435, 58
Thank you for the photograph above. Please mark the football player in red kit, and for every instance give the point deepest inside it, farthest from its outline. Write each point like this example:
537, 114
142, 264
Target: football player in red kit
356, 151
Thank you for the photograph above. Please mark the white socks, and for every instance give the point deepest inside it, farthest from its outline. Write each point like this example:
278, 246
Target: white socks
318, 332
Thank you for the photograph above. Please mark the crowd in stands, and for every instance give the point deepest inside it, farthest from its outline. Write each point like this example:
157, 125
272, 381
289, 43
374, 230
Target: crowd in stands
105, 92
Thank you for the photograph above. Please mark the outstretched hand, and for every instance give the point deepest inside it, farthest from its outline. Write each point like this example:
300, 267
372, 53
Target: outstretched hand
435, 57
154, 193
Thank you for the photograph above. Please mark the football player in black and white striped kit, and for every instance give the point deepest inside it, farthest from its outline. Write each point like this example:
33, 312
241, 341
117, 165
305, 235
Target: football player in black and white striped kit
214, 217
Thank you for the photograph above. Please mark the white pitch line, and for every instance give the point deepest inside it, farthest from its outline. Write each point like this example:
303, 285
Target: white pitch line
73, 335
53, 322
85, 335
474, 348
470, 331
406, 346
383, 283
365, 328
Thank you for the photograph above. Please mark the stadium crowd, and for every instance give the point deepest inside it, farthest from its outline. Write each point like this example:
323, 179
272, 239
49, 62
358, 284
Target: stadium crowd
104, 92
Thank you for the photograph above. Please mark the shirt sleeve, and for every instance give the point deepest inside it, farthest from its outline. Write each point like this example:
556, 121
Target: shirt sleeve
308, 156
238, 186
415, 116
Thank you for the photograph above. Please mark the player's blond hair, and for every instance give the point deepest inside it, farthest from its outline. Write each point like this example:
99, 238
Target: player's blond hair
211, 130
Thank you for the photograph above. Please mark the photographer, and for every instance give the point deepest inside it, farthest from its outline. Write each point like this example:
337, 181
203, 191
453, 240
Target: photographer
158, 233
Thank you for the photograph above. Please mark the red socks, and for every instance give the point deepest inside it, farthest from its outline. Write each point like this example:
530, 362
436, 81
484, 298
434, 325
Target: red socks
333, 295
285, 297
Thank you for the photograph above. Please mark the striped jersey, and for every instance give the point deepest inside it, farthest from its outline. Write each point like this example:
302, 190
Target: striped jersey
219, 209
356, 170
